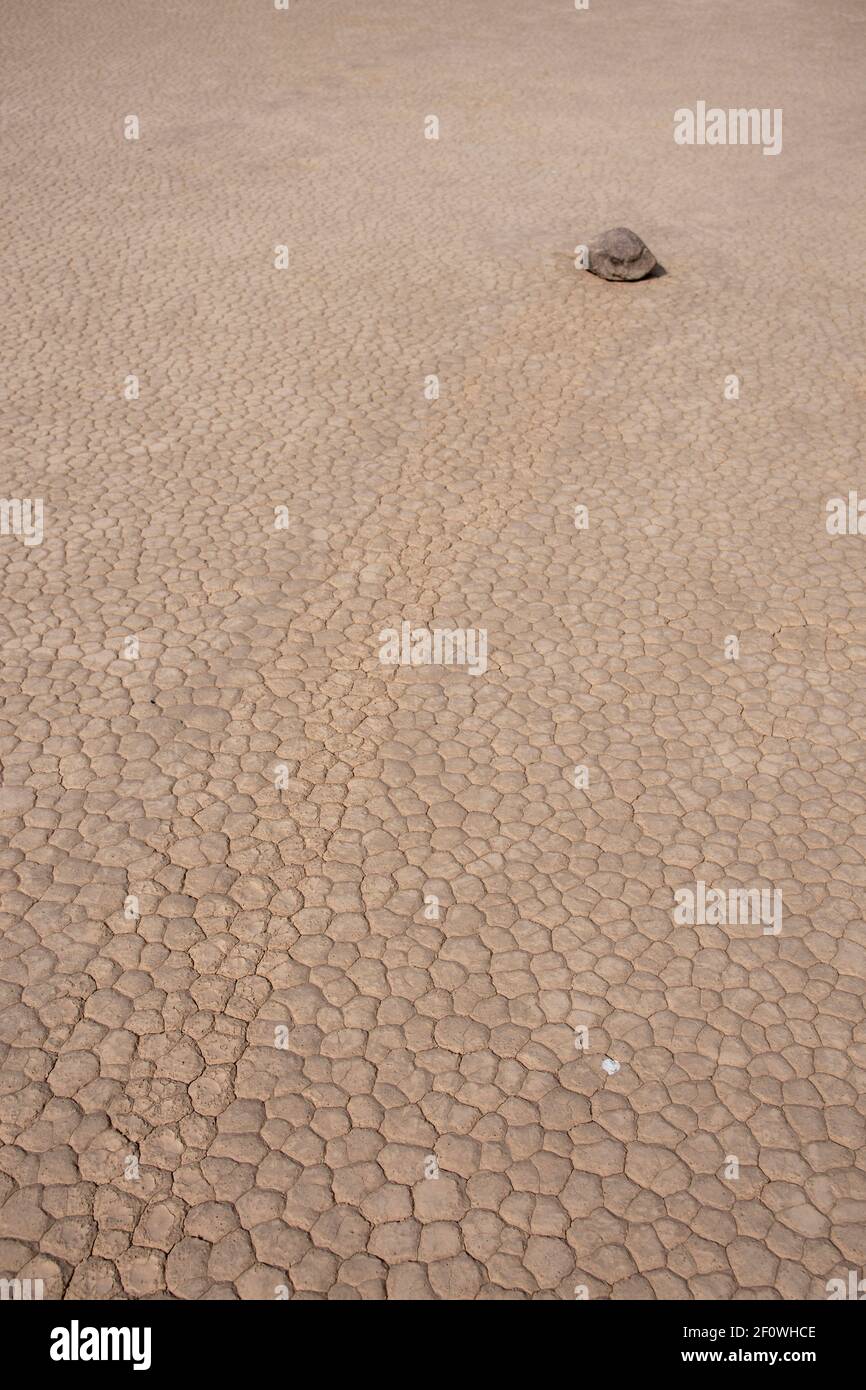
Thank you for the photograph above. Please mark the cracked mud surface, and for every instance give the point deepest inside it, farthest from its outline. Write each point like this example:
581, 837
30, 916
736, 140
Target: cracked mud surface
154, 1140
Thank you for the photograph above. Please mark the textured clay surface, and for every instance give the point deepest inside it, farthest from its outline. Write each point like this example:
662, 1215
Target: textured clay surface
288, 931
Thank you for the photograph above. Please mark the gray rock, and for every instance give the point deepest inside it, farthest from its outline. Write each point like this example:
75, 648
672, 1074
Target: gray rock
620, 255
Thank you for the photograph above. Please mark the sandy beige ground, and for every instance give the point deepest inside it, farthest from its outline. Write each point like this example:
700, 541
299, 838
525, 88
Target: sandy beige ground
157, 1139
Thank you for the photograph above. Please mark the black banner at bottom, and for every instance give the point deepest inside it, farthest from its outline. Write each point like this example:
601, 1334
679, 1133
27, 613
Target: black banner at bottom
60, 1340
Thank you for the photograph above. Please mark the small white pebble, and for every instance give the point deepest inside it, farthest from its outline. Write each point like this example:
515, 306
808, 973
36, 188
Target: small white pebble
610, 1066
